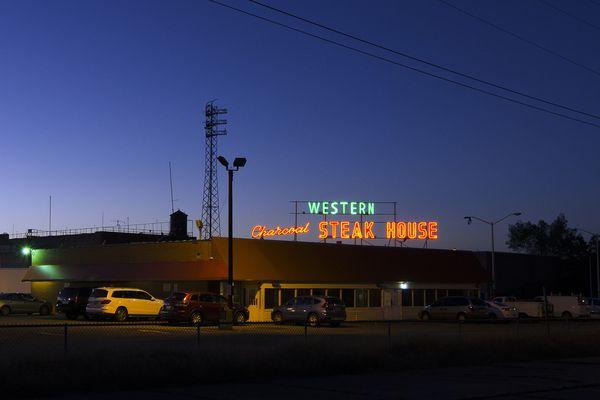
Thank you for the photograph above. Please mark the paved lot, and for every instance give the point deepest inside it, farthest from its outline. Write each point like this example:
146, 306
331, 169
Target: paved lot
563, 379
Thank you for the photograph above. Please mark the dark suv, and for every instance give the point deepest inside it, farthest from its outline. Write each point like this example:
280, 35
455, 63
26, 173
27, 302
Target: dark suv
72, 301
311, 310
198, 308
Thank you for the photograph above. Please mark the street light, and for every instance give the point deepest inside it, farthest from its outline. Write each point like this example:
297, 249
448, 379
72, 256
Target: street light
470, 219
597, 236
238, 163
26, 250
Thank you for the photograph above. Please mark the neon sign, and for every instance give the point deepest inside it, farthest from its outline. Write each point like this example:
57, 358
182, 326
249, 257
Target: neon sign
261, 231
341, 207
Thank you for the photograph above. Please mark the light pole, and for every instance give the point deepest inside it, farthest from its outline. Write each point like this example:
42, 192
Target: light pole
597, 236
238, 163
470, 219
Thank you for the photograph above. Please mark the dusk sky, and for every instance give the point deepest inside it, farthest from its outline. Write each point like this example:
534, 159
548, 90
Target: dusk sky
97, 97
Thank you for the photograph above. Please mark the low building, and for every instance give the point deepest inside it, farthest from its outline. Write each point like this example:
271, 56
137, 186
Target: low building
375, 282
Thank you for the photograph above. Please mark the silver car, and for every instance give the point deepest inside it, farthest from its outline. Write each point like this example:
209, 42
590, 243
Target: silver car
458, 308
23, 303
311, 310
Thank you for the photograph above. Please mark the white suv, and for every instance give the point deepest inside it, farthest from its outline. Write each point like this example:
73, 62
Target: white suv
122, 303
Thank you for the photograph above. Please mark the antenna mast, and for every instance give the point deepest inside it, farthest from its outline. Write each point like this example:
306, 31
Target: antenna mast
171, 182
210, 200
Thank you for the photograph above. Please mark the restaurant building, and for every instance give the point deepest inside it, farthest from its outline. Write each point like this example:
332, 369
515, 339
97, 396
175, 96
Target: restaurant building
375, 282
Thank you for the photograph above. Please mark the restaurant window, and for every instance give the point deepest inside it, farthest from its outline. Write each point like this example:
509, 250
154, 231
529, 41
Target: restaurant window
429, 296
271, 298
348, 297
303, 292
442, 293
286, 294
318, 292
407, 298
333, 292
457, 292
361, 297
374, 297
418, 297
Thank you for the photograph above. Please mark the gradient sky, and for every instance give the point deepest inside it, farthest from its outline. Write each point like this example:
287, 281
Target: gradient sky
97, 97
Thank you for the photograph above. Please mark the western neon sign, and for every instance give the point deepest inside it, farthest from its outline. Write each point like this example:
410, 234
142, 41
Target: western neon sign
356, 230
341, 207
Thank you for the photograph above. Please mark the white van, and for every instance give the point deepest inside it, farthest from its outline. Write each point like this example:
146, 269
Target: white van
568, 307
122, 303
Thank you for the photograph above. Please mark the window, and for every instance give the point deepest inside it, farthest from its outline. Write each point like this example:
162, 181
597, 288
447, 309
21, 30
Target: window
457, 301
303, 292
333, 292
318, 292
99, 293
429, 296
119, 294
441, 293
194, 297
418, 297
291, 302
286, 294
348, 297
206, 298
407, 298
361, 297
333, 300
477, 301
271, 298
374, 297
315, 300
143, 295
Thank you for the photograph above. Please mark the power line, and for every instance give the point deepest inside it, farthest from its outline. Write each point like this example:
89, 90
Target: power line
573, 16
432, 64
464, 85
521, 38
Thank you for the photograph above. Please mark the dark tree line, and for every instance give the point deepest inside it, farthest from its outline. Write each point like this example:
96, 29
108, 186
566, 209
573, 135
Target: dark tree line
550, 239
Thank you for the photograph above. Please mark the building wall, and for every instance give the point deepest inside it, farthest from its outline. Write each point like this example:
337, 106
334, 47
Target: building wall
10, 280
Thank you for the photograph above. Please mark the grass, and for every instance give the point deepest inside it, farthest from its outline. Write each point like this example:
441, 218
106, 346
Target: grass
227, 358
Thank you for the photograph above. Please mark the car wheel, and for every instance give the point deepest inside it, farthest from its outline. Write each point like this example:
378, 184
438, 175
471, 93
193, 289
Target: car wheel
312, 319
461, 317
567, 315
121, 314
196, 318
44, 310
71, 315
277, 317
5, 310
425, 316
239, 318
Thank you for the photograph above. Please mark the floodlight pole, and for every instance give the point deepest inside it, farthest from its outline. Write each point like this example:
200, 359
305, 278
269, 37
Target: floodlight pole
491, 224
230, 240
597, 235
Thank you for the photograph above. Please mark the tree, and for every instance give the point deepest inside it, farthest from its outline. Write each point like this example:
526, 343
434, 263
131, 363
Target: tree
555, 239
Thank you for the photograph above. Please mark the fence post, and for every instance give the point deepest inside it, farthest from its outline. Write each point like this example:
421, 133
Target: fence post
66, 330
198, 334
389, 332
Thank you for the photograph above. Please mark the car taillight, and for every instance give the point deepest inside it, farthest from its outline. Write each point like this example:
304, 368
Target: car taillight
105, 302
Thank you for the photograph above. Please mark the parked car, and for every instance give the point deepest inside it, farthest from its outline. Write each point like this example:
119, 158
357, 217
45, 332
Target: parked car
593, 305
312, 310
122, 303
198, 308
72, 301
502, 310
458, 308
23, 303
567, 307
525, 308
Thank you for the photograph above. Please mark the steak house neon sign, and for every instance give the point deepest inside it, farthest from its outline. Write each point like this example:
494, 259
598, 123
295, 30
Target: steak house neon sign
355, 230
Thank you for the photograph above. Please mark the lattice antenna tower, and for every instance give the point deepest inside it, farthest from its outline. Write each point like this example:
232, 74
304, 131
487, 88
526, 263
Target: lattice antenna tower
213, 127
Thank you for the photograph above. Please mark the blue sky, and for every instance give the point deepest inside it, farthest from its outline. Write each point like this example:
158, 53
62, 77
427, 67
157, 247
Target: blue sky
97, 97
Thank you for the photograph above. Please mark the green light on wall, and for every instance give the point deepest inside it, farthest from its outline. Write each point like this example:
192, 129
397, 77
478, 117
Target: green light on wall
26, 251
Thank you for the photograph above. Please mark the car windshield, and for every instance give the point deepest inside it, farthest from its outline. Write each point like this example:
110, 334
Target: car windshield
99, 293
177, 296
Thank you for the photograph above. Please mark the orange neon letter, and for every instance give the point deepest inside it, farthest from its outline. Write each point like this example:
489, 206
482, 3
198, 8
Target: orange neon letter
369, 229
412, 230
390, 230
323, 230
257, 231
422, 229
345, 230
334, 225
401, 230
433, 230
356, 232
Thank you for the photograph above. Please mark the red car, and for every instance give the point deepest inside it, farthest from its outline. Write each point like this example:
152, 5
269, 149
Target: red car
198, 308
